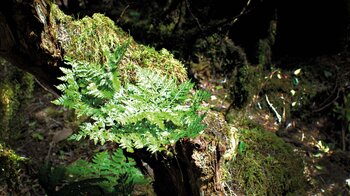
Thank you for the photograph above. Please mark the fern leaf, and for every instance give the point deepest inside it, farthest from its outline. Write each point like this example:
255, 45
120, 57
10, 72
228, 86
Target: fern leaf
152, 112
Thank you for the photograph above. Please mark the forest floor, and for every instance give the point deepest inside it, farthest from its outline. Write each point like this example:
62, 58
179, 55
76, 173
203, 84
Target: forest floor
42, 140
316, 134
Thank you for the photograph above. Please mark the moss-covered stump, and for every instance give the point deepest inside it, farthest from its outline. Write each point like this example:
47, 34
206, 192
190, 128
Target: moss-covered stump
265, 165
211, 149
16, 89
91, 38
194, 166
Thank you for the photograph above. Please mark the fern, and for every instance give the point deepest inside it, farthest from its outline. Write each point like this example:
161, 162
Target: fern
150, 110
114, 171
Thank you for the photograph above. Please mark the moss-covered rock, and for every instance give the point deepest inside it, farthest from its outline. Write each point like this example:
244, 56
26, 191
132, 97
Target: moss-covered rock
265, 165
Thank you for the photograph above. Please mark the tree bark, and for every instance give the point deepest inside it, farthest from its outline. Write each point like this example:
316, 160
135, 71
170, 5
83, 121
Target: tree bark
26, 39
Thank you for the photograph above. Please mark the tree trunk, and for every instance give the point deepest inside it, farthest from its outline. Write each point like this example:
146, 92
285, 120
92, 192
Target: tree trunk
26, 39
195, 165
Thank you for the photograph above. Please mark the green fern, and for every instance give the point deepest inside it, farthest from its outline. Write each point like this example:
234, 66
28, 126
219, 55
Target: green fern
114, 171
146, 110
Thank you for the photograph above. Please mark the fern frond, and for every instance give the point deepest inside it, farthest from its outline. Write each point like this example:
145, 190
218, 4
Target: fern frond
105, 166
151, 112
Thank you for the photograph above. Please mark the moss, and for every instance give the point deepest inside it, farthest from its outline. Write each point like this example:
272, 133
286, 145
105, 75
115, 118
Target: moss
8, 105
16, 89
265, 165
89, 38
248, 83
10, 167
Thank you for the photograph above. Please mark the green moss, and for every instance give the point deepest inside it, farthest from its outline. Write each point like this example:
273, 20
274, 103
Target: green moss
7, 106
16, 89
10, 167
266, 165
248, 83
264, 52
91, 38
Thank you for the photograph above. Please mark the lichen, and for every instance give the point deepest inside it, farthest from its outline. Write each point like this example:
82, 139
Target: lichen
89, 38
265, 165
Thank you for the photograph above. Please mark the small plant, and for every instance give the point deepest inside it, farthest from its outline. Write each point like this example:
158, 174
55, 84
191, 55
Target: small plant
116, 174
148, 110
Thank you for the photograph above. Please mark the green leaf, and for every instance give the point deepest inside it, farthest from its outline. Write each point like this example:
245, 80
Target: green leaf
37, 136
295, 81
116, 81
242, 147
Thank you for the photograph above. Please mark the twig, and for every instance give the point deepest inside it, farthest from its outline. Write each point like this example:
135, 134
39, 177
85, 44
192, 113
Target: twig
194, 17
328, 104
121, 15
47, 158
279, 118
46, 89
235, 18
243, 11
